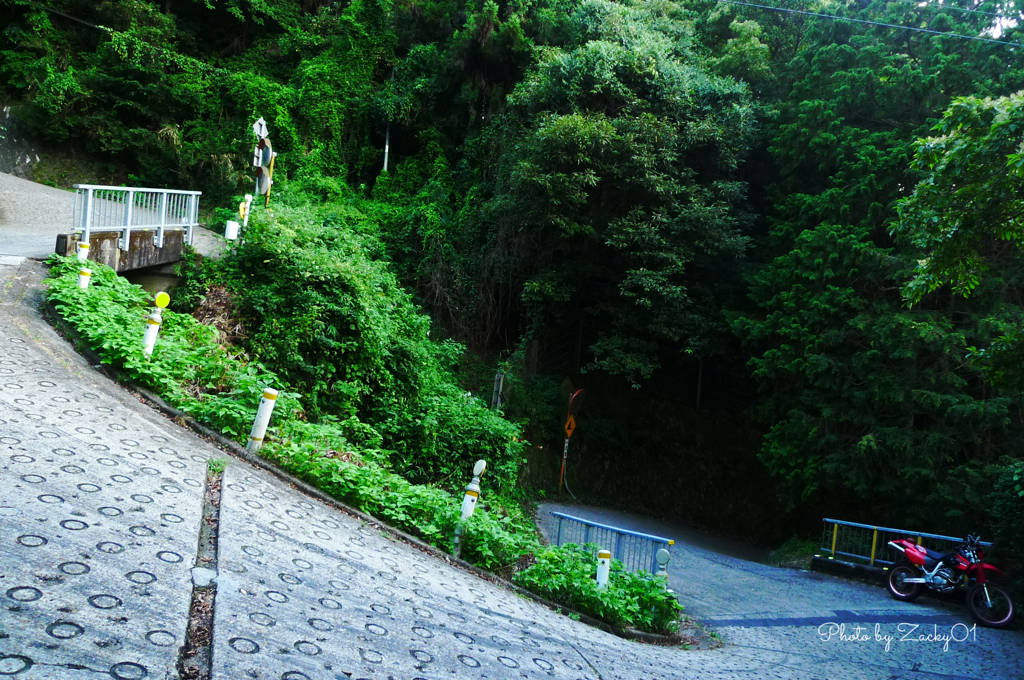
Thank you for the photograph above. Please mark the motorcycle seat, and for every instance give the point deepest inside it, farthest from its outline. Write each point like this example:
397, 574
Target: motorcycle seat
937, 555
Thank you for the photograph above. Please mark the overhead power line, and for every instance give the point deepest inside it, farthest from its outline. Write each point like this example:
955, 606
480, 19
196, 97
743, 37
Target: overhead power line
872, 23
921, 4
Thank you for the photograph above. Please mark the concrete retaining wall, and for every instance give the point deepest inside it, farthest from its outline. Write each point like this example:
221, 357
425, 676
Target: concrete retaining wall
103, 248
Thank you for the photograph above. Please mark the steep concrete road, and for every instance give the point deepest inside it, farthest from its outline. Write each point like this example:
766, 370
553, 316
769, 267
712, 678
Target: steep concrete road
101, 504
782, 617
31, 216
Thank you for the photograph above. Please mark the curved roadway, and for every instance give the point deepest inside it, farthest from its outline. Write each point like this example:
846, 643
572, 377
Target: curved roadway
782, 618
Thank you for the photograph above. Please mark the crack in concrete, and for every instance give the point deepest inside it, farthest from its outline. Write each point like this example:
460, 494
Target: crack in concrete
195, 657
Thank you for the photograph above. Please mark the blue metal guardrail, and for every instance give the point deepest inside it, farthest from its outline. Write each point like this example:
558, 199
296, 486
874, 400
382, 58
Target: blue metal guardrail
870, 544
635, 550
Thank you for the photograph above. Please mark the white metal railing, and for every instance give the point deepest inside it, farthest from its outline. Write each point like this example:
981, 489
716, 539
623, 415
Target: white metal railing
635, 550
102, 208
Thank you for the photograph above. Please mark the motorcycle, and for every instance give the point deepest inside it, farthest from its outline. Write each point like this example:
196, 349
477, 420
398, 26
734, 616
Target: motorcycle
989, 603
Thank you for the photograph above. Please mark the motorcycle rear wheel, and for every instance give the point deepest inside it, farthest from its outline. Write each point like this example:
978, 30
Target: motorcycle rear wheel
1002, 610
900, 590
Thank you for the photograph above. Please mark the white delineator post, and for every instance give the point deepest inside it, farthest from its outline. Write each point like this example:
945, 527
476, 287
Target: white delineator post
469, 502
83, 251
231, 230
244, 209
84, 275
153, 322
662, 557
259, 427
604, 567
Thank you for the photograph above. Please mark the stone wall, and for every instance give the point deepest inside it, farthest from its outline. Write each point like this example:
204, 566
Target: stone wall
103, 248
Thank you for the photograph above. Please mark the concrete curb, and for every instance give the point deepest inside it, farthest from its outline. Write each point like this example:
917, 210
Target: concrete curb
182, 418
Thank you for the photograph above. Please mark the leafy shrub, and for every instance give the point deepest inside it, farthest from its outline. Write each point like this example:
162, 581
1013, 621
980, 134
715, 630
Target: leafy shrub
1007, 509
189, 368
565, 576
324, 309
195, 374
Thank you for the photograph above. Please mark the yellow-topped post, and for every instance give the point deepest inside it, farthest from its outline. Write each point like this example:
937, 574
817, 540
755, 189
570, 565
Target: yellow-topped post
874, 544
263, 413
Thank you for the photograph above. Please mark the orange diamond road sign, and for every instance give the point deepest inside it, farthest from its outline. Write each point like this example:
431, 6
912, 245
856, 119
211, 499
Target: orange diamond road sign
570, 426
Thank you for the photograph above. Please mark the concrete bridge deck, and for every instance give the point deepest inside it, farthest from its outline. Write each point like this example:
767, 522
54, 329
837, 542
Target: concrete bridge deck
33, 217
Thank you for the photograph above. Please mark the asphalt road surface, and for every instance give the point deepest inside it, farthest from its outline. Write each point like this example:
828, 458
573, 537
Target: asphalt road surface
790, 618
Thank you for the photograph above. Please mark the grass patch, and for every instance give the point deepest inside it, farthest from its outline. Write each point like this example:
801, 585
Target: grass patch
632, 599
795, 553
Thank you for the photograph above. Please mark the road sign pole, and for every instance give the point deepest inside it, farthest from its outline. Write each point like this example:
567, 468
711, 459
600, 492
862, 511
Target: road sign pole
565, 454
271, 175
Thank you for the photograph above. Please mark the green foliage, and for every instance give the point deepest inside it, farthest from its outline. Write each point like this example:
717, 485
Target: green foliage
1007, 509
604, 170
194, 373
966, 218
867, 399
423, 510
324, 309
868, 403
565, 575
795, 553
189, 368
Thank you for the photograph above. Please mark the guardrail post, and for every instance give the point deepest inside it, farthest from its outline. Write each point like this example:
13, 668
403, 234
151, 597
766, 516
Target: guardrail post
158, 240
129, 210
87, 216
558, 539
835, 535
191, 218
874, 544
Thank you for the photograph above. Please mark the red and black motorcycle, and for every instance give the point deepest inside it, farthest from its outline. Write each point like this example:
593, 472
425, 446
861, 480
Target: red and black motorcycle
989, 603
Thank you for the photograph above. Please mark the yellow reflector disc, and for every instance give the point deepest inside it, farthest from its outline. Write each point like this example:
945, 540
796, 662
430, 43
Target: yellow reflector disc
162, 300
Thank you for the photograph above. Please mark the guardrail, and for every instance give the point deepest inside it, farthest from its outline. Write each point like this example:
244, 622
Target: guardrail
870, 544
635, 550
103, 208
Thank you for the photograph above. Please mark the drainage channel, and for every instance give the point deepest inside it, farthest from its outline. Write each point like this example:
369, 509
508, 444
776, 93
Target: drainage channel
196, 655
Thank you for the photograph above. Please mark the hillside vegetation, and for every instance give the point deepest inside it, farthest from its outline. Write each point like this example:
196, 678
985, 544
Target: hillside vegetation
781, 251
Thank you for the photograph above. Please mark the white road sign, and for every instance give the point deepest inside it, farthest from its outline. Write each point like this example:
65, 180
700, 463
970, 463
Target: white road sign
260, 128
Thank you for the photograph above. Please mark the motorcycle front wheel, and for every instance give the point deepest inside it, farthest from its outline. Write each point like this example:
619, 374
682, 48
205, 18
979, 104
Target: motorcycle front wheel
995, 610
899, 589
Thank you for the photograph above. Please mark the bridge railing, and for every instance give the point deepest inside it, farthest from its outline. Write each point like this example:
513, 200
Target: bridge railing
869, 544
635, 550
124, 209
